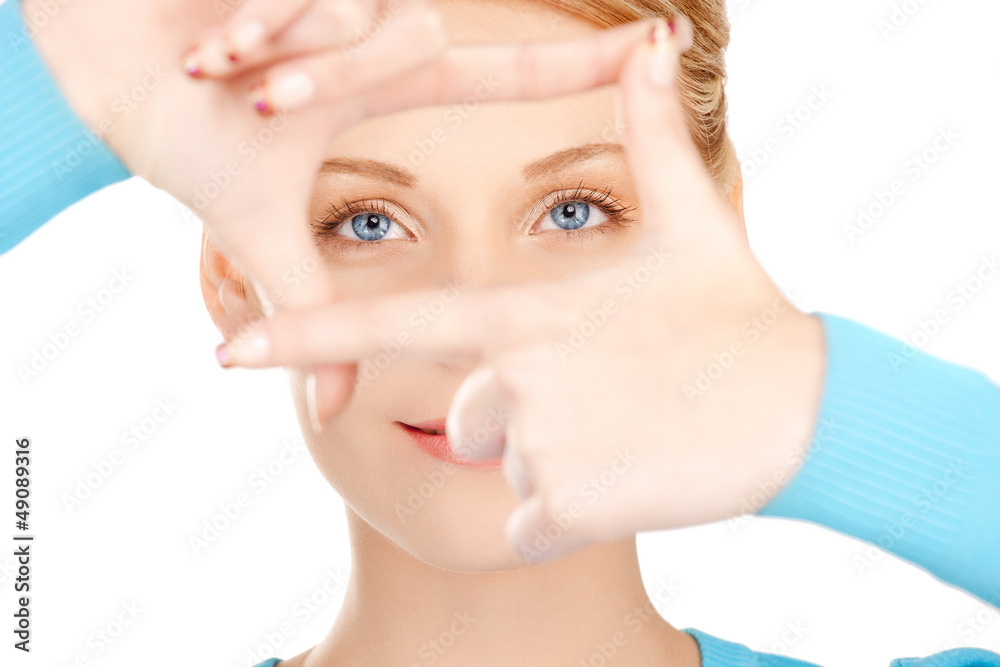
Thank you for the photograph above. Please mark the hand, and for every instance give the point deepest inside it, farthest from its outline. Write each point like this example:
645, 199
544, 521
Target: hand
248, 176
658, 394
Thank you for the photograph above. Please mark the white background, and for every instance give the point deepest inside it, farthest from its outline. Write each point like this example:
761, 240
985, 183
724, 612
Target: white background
128, 542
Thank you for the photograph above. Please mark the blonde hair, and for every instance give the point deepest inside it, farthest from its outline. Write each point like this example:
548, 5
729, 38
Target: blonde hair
702, 77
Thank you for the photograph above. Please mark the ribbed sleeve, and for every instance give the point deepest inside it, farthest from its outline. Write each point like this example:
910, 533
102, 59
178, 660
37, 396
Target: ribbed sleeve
906, 456
48, 157
716, 652
956, 657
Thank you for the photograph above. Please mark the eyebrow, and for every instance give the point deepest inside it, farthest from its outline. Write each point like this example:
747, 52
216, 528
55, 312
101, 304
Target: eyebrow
552, 163
370, 168
569, 157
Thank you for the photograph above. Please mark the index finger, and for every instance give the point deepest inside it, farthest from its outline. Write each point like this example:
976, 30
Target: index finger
502, 72
445, 321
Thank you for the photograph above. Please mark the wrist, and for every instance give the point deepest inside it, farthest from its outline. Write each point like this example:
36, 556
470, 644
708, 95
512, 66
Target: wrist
54, 39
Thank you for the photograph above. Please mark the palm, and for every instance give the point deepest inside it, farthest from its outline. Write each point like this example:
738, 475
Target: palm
200, 141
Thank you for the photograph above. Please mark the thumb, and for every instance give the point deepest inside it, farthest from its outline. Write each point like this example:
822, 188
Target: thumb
676, 192
328, 388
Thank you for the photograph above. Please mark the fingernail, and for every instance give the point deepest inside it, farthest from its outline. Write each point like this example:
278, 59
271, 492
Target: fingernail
222, 355
290, 91
243, 39
258, 98
524, 521
213, 59
311, 407
251, 350
189, 61
661, 69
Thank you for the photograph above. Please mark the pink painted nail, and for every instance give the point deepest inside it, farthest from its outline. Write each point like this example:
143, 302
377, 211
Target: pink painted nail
258, 97
190, 64
222, 355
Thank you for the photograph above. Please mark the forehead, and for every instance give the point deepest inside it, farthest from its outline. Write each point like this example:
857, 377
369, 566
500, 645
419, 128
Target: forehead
474, 139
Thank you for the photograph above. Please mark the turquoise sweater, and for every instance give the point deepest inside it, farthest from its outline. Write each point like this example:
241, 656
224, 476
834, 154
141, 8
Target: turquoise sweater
717, 652
906, 453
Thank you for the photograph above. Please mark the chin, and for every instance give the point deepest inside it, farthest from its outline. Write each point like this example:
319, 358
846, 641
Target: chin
453, 520
460, 527
459, 535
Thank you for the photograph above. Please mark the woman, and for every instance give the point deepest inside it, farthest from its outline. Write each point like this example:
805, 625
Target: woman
534, 191
382, 435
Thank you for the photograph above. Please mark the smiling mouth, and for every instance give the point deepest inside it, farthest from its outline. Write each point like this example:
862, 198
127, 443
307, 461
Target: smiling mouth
430, 436
432, 427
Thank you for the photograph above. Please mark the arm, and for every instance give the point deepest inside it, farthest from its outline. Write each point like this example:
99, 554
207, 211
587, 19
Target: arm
906, 456
49, 159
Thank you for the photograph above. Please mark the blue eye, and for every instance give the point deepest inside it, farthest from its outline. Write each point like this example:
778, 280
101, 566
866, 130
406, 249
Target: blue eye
370, 226
571, 215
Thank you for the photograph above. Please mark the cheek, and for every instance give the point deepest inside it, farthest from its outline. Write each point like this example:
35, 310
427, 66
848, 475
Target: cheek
445, 515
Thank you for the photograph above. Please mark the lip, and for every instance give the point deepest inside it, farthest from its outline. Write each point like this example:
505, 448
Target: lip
437, 445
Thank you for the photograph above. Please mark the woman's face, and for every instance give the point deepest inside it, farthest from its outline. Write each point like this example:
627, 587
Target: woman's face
447, 198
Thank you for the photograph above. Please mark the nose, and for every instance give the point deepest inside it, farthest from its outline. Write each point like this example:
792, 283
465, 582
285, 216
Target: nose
478, 248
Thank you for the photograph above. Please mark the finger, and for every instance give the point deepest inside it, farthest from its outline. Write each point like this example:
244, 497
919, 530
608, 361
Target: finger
409, 39
479, 417
524, 71
542, 528
260, 216
342, 25
328, 389
541, 536
429, 323
326, 25
675, 190
517, 474
251, 32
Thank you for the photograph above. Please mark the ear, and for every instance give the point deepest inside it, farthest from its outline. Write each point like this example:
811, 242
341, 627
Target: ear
230, 303
736, 194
